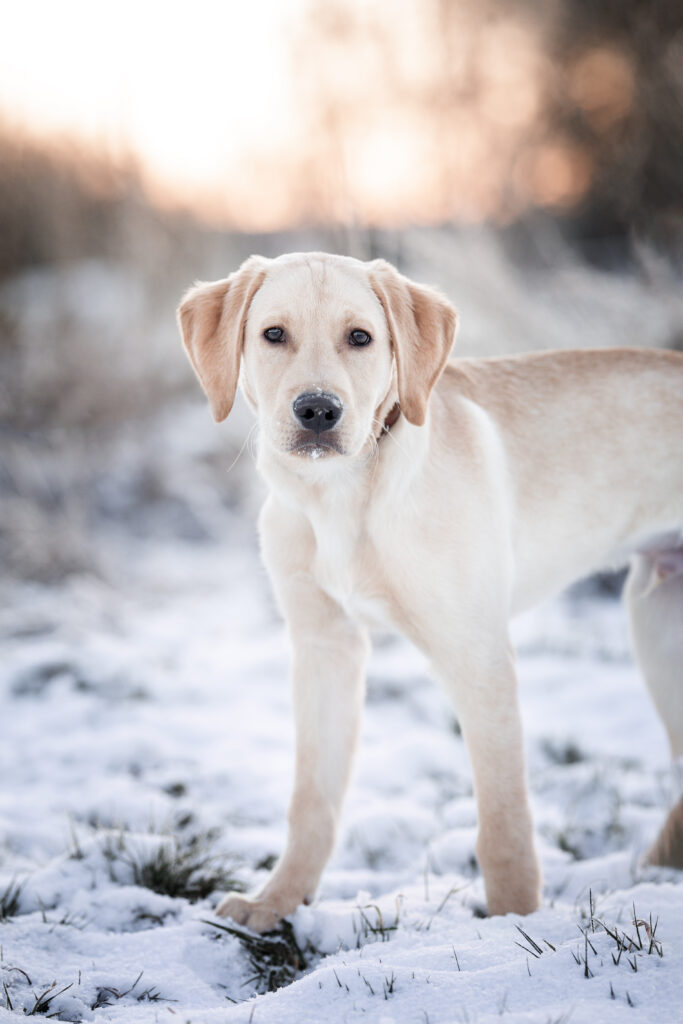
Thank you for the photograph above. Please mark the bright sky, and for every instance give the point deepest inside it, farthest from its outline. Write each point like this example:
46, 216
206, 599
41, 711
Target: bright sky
192, 87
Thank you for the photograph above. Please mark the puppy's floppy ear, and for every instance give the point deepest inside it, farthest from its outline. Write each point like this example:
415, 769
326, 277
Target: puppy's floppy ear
422, 328
211, 319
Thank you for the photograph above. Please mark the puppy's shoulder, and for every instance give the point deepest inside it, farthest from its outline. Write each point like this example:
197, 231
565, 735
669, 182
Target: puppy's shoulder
286, 537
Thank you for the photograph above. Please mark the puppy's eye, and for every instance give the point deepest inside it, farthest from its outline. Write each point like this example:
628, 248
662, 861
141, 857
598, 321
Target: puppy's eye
358, 337
274, 334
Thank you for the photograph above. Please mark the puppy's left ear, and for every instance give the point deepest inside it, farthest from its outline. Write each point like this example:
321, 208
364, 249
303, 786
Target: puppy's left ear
211, 318
422, 328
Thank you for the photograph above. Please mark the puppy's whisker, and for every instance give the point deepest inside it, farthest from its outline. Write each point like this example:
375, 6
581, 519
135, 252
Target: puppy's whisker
254, 434
373, 455
245, 443
398, 444
387, 433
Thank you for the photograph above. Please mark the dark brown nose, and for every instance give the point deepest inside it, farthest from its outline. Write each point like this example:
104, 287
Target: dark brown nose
318, 411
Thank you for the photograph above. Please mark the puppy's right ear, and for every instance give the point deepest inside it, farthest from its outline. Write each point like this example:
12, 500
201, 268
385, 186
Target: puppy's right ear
211, 318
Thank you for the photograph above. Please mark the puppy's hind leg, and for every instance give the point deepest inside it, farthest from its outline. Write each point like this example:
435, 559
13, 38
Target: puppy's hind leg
654, 596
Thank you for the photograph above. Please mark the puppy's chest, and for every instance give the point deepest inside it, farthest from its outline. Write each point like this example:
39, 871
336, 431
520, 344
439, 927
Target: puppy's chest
344, 568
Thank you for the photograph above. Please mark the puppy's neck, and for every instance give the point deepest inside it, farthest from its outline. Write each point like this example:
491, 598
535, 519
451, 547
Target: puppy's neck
398, 453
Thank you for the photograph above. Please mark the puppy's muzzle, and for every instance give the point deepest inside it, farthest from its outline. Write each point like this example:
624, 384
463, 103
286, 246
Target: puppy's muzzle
318, 411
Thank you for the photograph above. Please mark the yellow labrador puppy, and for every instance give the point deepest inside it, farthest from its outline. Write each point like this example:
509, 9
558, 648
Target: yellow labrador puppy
440, 498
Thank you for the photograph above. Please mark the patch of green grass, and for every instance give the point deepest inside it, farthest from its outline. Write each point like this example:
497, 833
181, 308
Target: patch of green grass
562, 1019
274, 957
562, 752
372, 925
630, 947
176, 789
34, 680
636, 944
567, 845
10, 900
42, 1001
179, 865
531, 946
107, 995
184, 868
584, 839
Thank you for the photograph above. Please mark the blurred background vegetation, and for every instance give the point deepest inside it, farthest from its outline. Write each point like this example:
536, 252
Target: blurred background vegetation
526, 158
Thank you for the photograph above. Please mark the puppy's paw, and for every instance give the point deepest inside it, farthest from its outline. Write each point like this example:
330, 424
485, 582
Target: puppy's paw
667, 850
259, 913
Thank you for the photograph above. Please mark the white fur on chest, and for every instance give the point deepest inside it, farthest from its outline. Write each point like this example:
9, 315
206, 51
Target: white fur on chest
338, 567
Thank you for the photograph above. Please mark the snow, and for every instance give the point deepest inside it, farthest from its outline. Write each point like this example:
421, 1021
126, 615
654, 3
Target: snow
145, 721
140, 714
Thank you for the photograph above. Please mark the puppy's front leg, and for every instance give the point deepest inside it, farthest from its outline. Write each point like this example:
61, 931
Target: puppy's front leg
329, 655
492, 729
478, 672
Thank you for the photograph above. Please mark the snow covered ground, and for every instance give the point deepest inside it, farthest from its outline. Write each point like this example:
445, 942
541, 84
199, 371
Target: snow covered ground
146, 761
145, 733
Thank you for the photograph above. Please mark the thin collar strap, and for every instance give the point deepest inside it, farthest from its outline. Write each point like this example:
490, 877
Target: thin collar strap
392, 417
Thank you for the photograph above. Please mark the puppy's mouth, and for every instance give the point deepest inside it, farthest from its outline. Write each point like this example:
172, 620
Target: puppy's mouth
308, 447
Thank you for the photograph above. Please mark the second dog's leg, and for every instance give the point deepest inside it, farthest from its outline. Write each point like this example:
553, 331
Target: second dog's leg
329, 655
654, 595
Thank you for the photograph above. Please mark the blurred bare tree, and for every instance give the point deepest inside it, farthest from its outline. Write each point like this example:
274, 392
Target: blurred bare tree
620, 71
441, 111
422, 111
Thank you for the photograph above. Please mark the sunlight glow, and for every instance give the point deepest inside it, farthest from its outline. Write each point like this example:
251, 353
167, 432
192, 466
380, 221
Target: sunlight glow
190, 88
264, 114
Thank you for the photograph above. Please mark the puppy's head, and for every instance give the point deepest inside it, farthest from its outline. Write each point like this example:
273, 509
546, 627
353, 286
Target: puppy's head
322, 345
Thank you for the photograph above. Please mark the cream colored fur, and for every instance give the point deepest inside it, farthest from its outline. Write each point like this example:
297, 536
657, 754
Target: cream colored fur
502, 481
